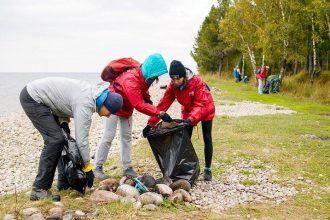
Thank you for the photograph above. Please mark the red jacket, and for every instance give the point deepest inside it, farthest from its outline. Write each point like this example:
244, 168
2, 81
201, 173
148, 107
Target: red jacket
195, 99
132, 87
262, 74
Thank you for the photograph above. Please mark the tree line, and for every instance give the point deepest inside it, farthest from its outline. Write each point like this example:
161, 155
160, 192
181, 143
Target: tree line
287, 35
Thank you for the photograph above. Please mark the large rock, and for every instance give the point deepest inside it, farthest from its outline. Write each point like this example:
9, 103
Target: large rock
149, 181
37, 216
151, 198
126, 180
176, 197
129, 200
9, 217
181, 184
104, 196
127, 191
164, 190
111, 184
56, 210
164, 180
32, 214
185, 195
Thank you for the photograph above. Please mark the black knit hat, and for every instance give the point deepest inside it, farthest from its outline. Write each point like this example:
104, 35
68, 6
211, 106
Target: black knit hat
177, 69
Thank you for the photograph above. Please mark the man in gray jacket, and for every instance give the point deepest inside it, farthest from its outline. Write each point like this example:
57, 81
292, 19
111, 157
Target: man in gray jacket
50, 103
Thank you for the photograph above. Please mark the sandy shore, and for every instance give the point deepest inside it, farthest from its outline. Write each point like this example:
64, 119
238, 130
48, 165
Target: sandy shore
21, 143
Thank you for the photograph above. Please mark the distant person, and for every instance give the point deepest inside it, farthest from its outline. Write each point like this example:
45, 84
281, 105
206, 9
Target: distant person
133, 85
196, 105
237, 74
50, 103
261, 76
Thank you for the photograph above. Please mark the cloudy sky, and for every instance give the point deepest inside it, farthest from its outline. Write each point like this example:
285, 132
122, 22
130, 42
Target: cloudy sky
84, 35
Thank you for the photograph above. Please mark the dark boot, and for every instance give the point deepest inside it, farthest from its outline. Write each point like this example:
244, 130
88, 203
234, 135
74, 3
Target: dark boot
40, 194
207, 174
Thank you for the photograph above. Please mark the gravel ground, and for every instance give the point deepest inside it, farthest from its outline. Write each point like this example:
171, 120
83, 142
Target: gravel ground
242, 182
21, 144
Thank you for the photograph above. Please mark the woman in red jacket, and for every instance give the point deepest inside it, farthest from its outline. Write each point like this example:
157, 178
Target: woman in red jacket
133, 86
196, 105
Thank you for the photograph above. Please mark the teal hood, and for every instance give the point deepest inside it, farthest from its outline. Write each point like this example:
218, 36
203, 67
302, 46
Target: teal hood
153, 66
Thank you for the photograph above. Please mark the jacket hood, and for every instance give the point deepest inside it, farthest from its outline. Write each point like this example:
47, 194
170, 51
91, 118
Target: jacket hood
154, 66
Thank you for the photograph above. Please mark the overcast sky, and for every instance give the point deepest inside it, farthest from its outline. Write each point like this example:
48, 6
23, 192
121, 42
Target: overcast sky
84, 35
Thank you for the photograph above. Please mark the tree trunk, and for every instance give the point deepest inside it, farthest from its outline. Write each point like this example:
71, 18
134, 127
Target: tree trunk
295, 67
283, 69
220, 67
328, 59
314, 51
253, 60
243, 63
263, 60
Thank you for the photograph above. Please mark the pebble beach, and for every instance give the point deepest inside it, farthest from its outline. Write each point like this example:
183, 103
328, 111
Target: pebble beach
21, 144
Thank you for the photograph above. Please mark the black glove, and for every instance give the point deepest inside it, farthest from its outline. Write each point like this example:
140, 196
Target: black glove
65, 127
148, 100
165, 117
188, 122
146, 130
90, 178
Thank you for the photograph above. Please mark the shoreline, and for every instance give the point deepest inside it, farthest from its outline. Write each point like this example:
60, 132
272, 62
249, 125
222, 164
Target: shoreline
21, 143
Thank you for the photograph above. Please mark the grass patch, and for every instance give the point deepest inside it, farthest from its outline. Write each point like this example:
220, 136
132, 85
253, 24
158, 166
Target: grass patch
259, 166
248, 182
246, 172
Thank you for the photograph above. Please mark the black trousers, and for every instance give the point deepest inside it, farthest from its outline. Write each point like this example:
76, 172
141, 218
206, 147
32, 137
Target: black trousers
45, 122
208, 144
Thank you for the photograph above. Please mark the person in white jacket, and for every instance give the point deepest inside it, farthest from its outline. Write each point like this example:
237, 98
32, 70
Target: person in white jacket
50, 103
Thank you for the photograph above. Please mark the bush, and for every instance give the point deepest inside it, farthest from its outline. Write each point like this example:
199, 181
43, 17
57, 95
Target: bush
299, 85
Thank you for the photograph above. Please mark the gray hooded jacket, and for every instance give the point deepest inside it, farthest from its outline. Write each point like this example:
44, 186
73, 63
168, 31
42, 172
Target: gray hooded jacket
70, 98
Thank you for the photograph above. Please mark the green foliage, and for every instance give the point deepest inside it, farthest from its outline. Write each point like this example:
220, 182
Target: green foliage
280, 33
209, 49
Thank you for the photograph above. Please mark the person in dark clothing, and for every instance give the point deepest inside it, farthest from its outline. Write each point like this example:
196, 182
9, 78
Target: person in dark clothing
196, 105
50, 103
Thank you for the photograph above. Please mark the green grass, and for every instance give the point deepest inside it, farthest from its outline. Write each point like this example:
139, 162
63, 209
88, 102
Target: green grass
272, 139
248, 182
246, 172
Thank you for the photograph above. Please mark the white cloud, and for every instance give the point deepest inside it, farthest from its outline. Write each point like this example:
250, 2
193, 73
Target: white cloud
82, 36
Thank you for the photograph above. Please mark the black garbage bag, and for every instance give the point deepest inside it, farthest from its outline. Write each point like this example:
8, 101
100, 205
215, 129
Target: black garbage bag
70, 165
174, 151
265, 88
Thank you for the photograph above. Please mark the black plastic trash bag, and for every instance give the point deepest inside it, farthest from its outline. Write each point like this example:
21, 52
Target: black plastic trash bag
174, 151
70, 169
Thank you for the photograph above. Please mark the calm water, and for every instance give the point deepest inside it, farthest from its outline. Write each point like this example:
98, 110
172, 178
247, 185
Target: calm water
11, 85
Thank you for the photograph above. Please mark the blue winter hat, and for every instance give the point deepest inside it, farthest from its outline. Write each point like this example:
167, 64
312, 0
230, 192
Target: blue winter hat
111, 100
153, 66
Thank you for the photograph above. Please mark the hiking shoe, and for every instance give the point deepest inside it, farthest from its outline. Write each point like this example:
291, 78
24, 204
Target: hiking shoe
99, 174
130, 172
207, 174
40, 194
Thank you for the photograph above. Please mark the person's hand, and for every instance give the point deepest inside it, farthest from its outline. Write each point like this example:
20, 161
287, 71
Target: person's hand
90, 178
165, 117
187, 122
146, 130
65, 127
148, 100
88, 169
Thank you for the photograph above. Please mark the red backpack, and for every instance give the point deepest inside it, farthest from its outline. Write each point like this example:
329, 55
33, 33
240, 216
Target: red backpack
116, 67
